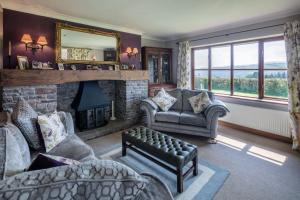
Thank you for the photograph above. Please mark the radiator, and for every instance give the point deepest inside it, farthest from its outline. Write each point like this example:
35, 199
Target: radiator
272, 121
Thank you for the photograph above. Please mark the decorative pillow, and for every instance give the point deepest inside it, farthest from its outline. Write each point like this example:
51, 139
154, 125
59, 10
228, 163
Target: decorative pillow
25, 118
200, 102
45, 161
164, 100
52, 129
14, 152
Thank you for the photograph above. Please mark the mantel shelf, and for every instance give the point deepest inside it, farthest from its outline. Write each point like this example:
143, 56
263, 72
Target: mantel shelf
13, 77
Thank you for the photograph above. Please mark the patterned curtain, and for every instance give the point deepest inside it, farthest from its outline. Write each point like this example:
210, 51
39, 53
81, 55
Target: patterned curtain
184, 68
292, 41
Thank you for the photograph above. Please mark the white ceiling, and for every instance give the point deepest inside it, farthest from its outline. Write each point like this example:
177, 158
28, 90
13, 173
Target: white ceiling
164, 19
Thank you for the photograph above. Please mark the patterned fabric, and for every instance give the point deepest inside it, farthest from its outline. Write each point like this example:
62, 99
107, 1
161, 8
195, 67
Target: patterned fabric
67, 120
52, 129
200, 102
25, 118
164, 100
184, 68
103, 179
22, 144
292, 41
45, 161
11, 161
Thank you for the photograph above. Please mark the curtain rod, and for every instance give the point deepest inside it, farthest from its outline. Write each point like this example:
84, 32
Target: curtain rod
227, 34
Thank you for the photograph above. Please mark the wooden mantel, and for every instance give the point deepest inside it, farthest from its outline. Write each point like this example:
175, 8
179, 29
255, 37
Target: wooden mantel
13, 77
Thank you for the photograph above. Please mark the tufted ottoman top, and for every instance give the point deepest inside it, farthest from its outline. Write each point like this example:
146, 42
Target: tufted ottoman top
166, 148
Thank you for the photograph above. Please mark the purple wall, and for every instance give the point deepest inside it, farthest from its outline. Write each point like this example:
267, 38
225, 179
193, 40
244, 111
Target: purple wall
15, 24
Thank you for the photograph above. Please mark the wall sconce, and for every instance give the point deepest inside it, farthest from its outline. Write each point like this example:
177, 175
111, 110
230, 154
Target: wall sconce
29, 43
131, 51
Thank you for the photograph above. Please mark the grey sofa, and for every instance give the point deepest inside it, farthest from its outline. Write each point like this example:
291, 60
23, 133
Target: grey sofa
181, 118
91, 179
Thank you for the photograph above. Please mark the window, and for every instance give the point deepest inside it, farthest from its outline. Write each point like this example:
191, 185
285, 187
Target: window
255, 69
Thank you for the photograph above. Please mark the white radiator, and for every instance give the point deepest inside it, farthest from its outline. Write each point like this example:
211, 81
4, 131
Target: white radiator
272, 121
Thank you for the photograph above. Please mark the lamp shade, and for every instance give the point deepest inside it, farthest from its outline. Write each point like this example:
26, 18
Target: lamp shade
26, 38
135, 51
42, 41
129, 50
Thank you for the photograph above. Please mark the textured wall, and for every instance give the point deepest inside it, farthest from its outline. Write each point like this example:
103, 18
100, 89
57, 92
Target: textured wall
128, 97
15, 24
42, 98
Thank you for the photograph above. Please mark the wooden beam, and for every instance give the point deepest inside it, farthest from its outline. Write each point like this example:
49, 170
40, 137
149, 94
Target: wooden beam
44, 77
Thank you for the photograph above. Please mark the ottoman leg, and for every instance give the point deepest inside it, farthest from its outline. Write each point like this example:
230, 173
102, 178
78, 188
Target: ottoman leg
123, 147
195, 165
179, 180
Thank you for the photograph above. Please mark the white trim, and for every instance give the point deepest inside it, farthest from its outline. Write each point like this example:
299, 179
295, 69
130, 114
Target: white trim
46, 12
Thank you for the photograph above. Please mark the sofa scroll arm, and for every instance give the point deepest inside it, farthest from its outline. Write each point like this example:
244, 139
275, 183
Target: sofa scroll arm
151, 109
212, 113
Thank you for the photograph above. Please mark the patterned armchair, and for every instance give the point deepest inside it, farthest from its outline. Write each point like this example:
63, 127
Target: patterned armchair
91, 179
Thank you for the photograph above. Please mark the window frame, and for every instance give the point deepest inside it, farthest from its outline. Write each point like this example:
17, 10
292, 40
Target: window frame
261, 70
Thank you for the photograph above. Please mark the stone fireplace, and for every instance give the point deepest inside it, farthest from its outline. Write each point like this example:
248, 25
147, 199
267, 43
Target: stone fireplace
127, 95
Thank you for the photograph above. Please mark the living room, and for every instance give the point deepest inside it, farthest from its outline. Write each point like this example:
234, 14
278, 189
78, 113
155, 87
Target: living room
150, 99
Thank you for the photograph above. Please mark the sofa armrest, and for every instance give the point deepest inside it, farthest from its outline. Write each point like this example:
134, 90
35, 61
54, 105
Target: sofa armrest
216, 106
212, 113
67, 119
151, 109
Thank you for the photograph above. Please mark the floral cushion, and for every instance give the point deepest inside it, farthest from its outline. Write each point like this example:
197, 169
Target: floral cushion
164, 100
45, 161
25, 117
200, 102
52, 129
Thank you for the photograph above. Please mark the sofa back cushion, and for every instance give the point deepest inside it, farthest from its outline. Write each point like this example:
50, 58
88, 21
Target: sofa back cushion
15, 155
176, 93
186, 94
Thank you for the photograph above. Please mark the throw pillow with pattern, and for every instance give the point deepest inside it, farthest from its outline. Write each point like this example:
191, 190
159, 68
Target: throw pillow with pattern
200, 102
25, 118
164, 100
52, 129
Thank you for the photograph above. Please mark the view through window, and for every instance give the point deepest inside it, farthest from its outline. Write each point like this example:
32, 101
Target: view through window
256, 69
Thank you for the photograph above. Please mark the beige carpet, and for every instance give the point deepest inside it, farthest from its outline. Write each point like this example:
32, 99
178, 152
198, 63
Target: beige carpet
260, 168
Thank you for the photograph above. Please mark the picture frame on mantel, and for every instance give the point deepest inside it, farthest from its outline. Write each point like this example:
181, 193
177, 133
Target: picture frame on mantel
23, 62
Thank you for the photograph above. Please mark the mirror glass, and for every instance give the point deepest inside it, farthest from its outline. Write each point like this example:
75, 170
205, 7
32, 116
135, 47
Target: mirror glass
85, 46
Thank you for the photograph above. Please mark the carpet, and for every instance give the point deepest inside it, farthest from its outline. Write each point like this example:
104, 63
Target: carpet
202, 187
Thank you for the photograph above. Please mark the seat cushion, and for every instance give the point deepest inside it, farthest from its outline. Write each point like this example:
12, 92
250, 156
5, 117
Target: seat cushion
74, 148
170, 116
190, 118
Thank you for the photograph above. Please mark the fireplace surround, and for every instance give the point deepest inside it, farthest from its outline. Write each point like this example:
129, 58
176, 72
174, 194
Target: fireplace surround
48, 98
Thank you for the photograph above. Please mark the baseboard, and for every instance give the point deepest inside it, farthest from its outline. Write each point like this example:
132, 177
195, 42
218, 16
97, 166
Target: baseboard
256, 132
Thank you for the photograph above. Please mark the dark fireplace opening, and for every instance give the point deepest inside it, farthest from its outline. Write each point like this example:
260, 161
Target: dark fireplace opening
90, 104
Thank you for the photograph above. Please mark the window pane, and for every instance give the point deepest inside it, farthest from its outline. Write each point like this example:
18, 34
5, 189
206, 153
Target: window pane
201, 79
220, 80
245, 56
201, 58
245, 83
220, 57
276, 84
275, 55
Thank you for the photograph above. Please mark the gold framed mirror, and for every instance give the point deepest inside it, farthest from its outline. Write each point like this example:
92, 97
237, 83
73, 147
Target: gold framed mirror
86, 46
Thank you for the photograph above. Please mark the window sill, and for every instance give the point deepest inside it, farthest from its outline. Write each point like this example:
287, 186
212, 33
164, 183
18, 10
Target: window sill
259, 103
